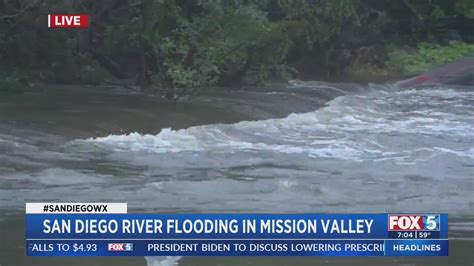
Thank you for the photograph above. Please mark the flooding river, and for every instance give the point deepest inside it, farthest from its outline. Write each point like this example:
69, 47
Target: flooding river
380, 149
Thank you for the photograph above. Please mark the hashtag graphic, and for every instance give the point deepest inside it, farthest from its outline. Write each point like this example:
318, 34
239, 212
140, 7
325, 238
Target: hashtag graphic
45, 208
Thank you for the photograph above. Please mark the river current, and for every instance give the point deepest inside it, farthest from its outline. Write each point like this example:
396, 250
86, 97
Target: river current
387, 149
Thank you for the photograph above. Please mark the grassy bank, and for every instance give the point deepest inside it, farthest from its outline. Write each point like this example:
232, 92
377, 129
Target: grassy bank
427, 56
408, 61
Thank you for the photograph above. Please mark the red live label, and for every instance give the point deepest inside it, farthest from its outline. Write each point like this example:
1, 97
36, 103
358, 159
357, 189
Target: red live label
68, 21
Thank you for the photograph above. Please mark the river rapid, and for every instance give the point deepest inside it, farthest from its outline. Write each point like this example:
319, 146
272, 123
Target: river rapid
382, 149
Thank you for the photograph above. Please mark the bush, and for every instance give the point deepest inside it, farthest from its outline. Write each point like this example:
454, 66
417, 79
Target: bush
211, 46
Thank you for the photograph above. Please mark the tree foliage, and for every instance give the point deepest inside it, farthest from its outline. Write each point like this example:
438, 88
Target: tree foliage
174, 44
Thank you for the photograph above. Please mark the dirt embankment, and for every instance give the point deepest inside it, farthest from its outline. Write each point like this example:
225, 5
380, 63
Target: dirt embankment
460, 72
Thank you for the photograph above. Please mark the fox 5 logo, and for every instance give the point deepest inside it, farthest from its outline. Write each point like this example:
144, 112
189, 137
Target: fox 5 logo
411, 222
120, 247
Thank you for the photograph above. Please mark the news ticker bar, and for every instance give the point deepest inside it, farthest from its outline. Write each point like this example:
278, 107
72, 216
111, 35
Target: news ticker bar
105, 229
237, 247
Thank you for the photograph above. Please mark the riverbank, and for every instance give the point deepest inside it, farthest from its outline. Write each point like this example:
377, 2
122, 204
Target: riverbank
117, 109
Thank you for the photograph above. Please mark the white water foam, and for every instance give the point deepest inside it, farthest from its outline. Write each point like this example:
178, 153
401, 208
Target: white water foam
353, 128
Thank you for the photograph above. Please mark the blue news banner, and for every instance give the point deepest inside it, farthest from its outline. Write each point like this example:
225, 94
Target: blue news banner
237, 234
